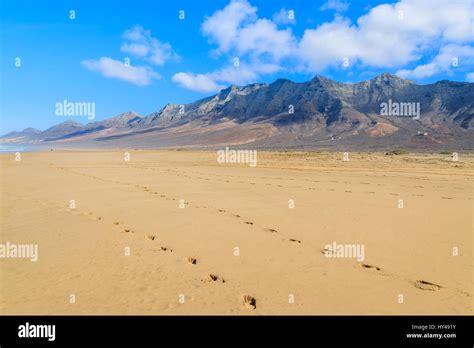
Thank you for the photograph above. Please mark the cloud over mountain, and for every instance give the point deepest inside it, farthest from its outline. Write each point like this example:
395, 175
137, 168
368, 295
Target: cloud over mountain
398, 36
111, 68
142, 45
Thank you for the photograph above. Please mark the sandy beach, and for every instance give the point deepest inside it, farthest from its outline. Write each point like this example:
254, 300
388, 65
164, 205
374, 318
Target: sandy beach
176, 232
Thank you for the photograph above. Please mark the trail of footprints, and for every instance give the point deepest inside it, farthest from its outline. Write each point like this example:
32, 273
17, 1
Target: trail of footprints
419, 284
148, 190
247, 300
180, 173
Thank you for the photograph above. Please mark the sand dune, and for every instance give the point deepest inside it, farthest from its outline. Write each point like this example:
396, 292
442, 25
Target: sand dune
175, 232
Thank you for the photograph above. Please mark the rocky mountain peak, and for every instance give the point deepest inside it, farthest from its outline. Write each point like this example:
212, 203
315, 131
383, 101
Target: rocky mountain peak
286, 113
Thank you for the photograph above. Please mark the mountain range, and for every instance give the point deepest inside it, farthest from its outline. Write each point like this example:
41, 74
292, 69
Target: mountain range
317, 114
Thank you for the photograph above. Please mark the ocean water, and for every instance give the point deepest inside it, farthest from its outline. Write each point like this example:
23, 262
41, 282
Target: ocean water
18, 148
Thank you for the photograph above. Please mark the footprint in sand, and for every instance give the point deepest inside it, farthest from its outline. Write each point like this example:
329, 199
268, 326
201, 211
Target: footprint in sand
236, 215
326, 251
295, 240
128, 231
221, 210
249, 222
249, 302
151, 237
212, 278
446, 197
191, 260
370, 266
424, 285
166, 249
271, 230
116, 223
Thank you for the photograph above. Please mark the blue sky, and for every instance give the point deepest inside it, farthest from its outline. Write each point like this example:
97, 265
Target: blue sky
175, 60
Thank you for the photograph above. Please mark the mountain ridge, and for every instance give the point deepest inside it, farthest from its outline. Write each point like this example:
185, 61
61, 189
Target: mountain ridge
319, 113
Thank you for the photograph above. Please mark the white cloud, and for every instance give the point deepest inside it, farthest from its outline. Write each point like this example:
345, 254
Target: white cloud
388, 36
328, 45
196, 82
219, 79
140, 43
284, 17
449, 57
336, 5
137, 50
224, 25
422, 20
237, 31
234, 75
264, 38
110, 68
470, 77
